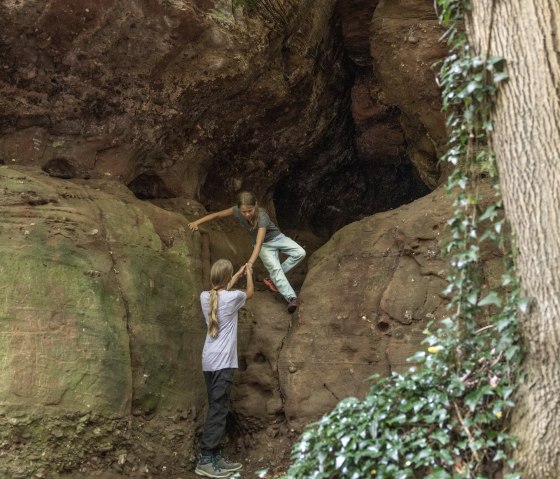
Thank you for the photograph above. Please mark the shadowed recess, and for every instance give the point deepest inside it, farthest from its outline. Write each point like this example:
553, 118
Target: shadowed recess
149, 186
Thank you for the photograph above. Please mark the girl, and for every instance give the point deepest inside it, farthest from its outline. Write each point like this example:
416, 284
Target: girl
219, 360
268, 242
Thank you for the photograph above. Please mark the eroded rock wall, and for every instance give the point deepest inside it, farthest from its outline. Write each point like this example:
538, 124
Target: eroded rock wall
369, 294
101, 331
331, 113
97, 288
172, 98
99, 324
406, 49
195, 99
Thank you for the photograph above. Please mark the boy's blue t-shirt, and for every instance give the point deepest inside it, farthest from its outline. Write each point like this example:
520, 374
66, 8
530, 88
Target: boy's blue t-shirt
221, 352
264, 221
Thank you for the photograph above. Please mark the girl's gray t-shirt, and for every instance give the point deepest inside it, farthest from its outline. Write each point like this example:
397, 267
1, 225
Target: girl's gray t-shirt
264, 221
221, 352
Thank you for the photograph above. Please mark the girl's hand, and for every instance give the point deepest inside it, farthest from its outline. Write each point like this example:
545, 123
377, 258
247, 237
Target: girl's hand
249, 268
235, 277
193, 226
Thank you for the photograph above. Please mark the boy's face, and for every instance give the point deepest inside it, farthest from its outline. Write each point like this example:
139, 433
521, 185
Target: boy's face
247, 211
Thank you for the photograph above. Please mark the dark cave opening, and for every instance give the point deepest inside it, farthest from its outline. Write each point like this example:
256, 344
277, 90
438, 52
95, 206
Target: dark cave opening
361, 152
363, 169
60, 168
326, 201
149, 186
362, 166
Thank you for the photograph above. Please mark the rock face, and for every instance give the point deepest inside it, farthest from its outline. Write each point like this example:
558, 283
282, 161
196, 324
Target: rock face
100, 313
405, 46
257, 400
172, 98
101, 333
367, 298
98, 286
191, 99
327, 110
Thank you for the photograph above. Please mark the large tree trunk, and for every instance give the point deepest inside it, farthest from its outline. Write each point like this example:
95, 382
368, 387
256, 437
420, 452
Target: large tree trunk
527, 145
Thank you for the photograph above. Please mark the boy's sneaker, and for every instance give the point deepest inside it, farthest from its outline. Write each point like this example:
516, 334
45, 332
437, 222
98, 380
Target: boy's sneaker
226, 465
207, 466
292, 305
270, 285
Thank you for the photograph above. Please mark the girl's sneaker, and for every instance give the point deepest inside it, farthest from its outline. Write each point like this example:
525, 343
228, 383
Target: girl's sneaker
270, 285
207, 466
226, 465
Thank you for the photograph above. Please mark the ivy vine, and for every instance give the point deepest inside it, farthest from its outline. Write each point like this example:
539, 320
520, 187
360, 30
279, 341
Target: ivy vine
447, 417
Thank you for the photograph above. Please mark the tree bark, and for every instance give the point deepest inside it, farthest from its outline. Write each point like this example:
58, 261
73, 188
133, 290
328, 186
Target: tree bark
526, 141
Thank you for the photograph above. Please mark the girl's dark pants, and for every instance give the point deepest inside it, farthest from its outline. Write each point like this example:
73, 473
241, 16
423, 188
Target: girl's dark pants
218, 385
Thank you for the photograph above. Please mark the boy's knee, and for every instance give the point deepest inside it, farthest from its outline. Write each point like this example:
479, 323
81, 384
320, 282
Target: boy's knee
275, 271
273, 267
301, 254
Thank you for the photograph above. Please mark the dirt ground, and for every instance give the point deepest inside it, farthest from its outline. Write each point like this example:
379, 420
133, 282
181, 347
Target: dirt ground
147, 449
266, 451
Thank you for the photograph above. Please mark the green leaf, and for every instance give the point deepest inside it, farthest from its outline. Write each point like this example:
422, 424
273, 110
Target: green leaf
440, 436
345, 440
491, 298
472, 86
500, 77
475, 398
524, 306
339, 461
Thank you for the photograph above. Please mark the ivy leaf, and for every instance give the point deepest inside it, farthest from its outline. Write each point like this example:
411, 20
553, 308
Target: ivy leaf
500, 76
373, 428
472, 86
524, 306
339, 461
472, 297
473, 399
440, 436
491, 298
490, 212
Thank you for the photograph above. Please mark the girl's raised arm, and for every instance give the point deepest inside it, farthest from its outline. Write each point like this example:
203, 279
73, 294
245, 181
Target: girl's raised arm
235, 277
212, 216
250, 287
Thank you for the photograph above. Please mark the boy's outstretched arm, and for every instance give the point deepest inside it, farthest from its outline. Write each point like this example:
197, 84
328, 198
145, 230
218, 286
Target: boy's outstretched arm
258, 245
212, 216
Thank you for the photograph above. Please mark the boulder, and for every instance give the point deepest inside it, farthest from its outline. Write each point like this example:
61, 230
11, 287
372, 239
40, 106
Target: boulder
100, 310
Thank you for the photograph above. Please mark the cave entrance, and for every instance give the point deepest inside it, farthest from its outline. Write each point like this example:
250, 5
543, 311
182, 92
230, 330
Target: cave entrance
362, 168
149, 186
324, 201
361, 134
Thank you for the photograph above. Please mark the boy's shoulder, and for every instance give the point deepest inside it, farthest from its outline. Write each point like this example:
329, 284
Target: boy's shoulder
263, 214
